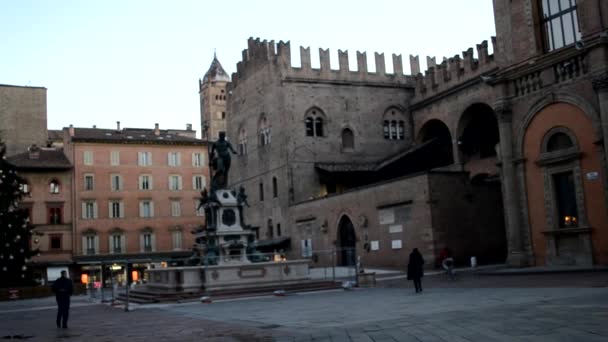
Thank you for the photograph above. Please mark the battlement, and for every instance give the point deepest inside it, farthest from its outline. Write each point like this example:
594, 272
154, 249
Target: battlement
261, 54
452, 71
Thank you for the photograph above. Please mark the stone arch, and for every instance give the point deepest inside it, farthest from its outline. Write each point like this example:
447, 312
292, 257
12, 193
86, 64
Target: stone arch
437, 130
346, 241
590, 111
477, 132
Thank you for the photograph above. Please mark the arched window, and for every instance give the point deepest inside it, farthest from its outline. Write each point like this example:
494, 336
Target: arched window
275, 190
319, 127
264, 132
242, 141
559, 159
314, 122
393, 127
54, 186
559, 141
348, 139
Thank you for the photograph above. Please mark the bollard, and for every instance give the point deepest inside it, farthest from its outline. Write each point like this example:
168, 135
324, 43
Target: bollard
473, 262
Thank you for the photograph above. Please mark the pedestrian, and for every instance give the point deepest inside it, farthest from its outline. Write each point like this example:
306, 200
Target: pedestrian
415, 269
62, 287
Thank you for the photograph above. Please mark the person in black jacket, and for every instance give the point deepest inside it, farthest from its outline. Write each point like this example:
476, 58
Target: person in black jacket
415, 269
62, 287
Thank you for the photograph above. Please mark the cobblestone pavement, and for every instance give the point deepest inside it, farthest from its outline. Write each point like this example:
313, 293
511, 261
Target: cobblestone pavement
571, 307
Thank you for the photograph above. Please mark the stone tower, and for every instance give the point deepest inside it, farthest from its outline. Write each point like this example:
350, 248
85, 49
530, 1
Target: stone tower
212, 90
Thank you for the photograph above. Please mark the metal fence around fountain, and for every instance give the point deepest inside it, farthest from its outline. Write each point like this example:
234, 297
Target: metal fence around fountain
338, 264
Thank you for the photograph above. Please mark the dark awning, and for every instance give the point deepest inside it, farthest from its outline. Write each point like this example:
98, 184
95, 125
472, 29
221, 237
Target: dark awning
278, 243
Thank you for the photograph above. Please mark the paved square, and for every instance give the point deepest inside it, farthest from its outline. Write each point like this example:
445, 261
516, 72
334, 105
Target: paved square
471, 309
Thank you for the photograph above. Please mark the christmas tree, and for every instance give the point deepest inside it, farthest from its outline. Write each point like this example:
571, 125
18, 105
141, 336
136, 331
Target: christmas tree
15, 227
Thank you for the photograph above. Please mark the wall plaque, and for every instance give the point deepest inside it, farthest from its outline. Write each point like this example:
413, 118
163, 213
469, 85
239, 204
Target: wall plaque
396, 244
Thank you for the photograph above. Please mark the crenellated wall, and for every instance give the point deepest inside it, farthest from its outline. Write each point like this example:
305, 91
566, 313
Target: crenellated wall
452, 71
261, 53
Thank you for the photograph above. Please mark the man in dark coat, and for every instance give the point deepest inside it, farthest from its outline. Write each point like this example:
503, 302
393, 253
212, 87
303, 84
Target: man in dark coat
415, 269
62, 287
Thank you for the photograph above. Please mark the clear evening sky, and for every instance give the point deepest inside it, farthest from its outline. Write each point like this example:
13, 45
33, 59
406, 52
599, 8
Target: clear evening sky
139, 62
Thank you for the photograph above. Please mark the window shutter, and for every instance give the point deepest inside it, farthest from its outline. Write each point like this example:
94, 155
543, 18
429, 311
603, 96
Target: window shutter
141, 209
110, 244
84, 245
169, 159
110, 209
84, 210
179, 159
153, 241
121, 205
150, 182
119, 182
123, 243
179, 182
139, 158
95, 209
151, 209
141, 243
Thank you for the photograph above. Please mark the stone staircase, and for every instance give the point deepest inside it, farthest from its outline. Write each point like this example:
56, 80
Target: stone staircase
149, 296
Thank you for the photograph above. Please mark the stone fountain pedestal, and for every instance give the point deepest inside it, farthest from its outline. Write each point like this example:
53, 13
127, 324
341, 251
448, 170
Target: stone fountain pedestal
226, 244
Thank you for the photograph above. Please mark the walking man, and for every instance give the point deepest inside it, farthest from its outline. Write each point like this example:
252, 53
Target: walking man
62, 287
415, 270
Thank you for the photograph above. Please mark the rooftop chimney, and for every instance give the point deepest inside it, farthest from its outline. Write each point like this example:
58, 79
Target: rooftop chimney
118, 125
188, 127
34, 151
71, 130
94, 126
156, 130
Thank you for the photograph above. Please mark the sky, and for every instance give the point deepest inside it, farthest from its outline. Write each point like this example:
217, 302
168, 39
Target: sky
139, 62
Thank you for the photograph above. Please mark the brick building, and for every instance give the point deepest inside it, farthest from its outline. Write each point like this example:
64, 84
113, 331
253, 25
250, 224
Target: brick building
135, 194
505, 150
49, 183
